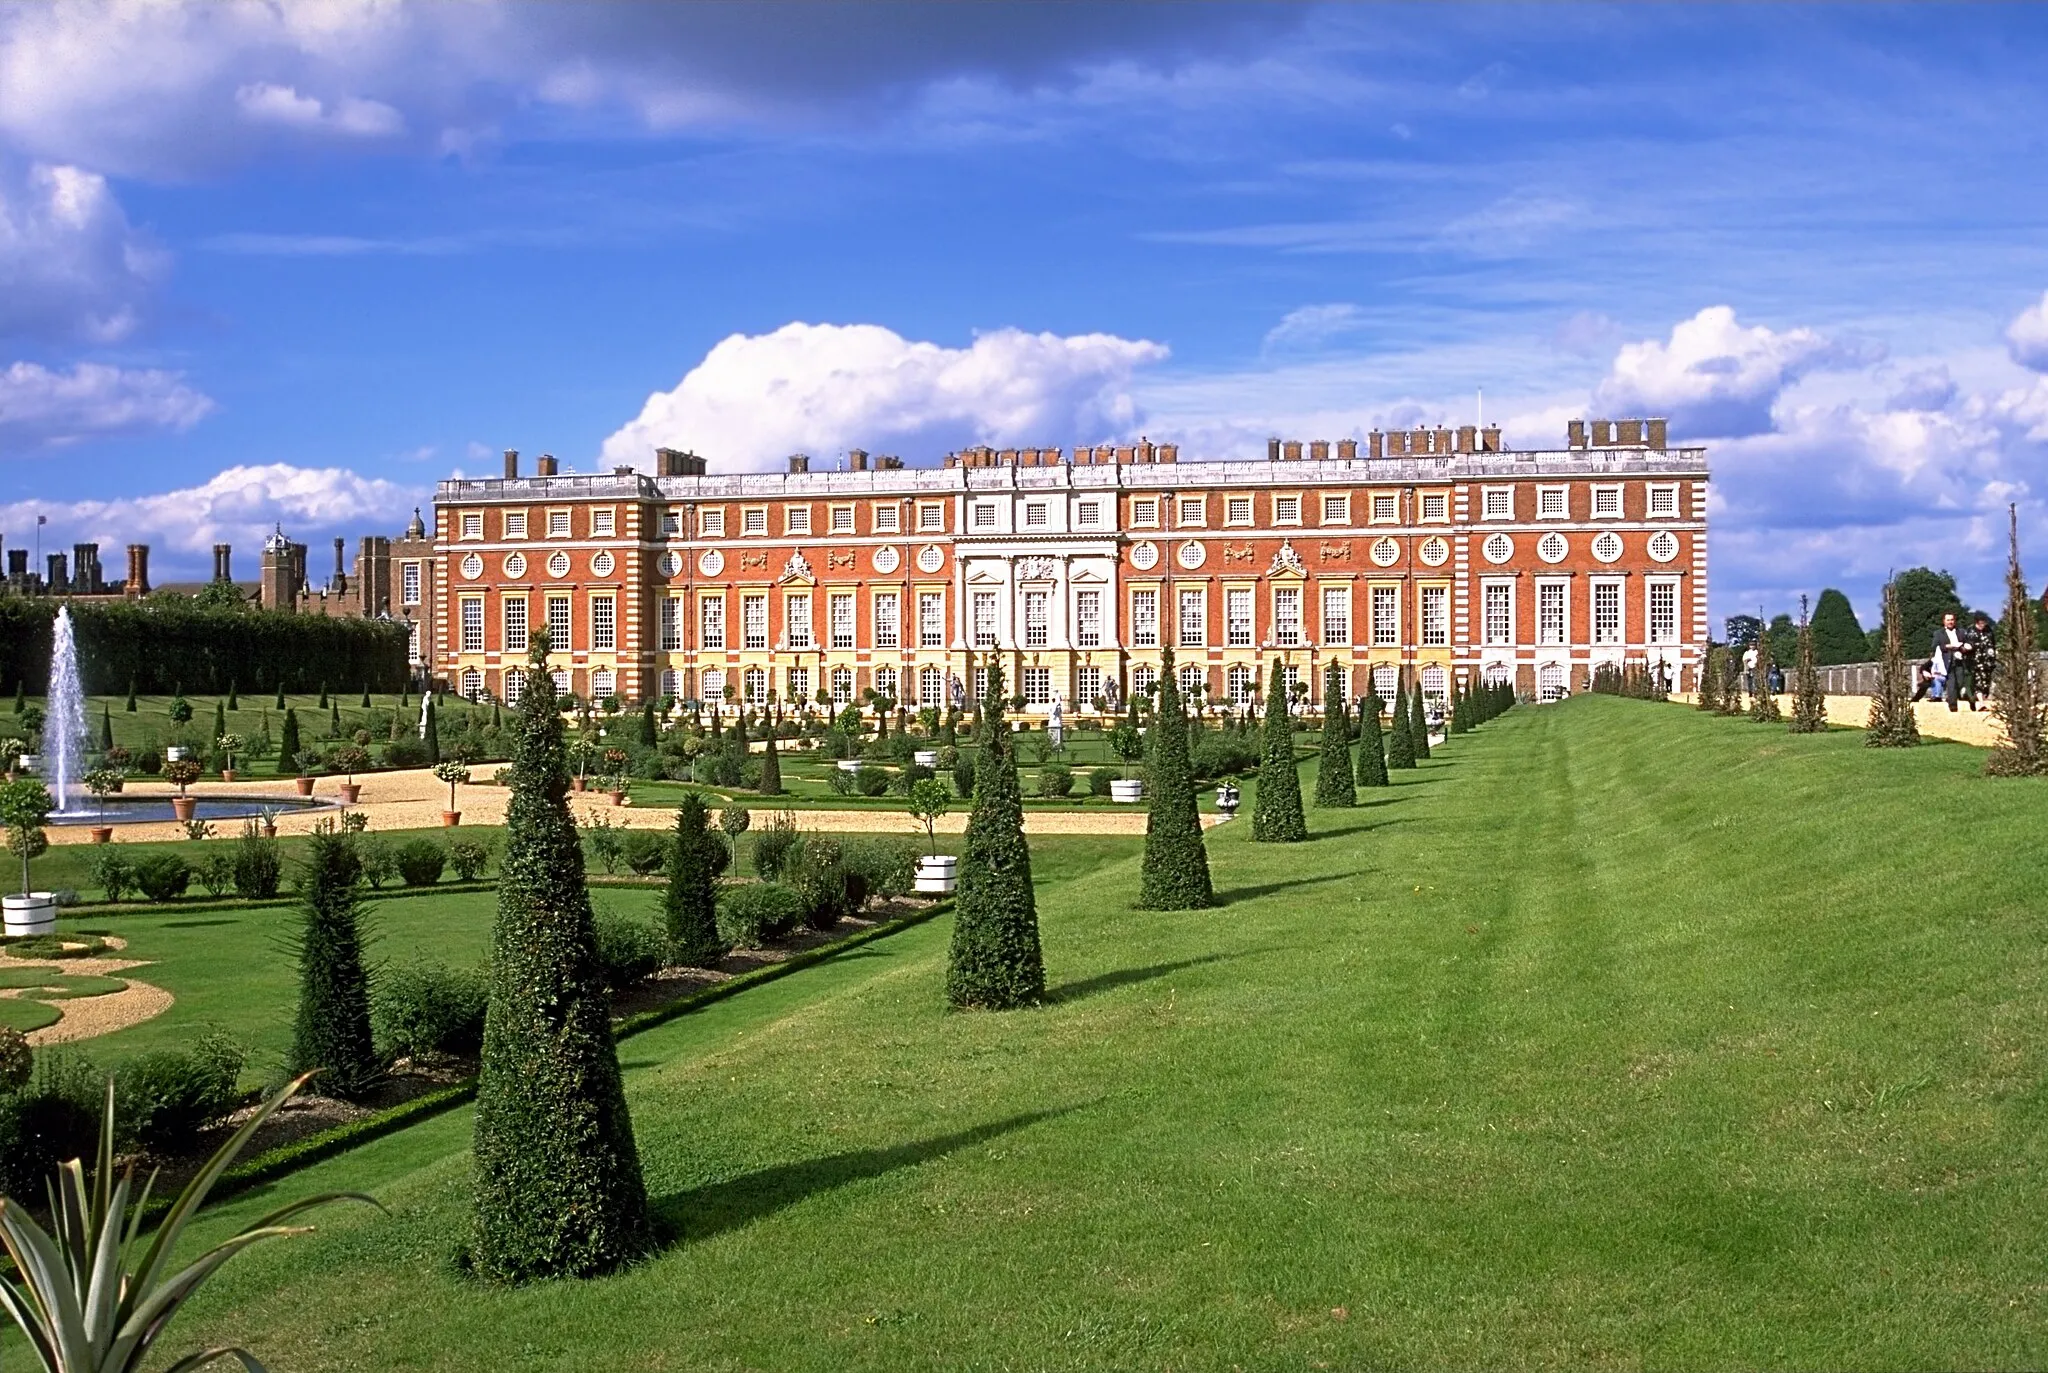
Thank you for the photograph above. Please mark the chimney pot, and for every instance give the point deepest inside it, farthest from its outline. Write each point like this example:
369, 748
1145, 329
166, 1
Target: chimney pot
1347, 450
1656, 437
1575, 434
544, 465
799, 462
1319, 450
511, 464
1272, 450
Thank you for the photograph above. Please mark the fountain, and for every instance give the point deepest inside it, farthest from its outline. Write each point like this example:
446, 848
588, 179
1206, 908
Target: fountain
64, 730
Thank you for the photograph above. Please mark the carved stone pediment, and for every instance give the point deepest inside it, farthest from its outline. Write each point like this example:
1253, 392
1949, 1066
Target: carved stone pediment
1287, 561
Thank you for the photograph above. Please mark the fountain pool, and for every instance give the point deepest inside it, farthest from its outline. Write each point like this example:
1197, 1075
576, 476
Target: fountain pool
136, 810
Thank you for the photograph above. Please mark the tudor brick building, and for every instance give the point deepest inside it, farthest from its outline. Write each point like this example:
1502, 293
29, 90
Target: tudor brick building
1435, 553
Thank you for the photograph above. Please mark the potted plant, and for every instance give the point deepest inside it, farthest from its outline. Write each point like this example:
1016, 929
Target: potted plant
184, 772
268, 815
25, 807
305, 761
453, 774
937, 873
580, 753
1129, 746
102, 783
10, 755
348, 759
229, 745
615, 760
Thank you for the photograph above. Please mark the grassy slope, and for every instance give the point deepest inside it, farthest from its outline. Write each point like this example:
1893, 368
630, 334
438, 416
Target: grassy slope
1612, 1035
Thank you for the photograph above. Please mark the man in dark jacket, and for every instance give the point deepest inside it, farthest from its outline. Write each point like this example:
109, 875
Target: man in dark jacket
1983, 658
1951, 656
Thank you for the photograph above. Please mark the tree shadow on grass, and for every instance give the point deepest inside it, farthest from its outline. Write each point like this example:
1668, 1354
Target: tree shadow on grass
196, 924
704, 1212
1237, 894
1124, 977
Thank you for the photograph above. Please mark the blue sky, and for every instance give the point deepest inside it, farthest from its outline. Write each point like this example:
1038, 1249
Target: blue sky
293, 263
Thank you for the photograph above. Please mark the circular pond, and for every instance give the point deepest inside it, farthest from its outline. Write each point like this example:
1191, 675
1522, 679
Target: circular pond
134, 810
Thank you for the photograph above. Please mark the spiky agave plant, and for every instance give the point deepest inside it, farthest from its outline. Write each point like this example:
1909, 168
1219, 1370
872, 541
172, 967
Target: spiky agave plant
95, 1297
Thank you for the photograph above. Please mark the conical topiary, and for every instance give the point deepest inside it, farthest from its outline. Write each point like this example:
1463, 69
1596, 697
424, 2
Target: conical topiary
366, 696
131, 695
430, 738
690, 905
331, 1031
1708, 698
1276, 810
2018, 706
106, 728
234, 696
1809, 703
1372, 745
1175, 875
1418, 723
288, 746
1334, 786
220, 720
1400, 733
1891, 710
995, 962
650, 732
1763, 702
323, 696
557, 1178
1731, 681
771, 766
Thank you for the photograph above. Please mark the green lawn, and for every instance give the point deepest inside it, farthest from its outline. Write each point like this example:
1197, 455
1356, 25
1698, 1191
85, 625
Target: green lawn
1614, 1035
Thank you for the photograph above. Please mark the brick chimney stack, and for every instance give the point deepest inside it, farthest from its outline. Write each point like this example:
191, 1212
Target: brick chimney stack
57, 583
340, 568
223, 562
511, 464
138, 570
545, 465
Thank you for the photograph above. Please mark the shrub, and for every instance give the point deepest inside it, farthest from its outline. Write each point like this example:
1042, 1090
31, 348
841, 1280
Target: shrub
17, 1060
111, 871
469, 857
1055, 780
774, 844
1099, 780
908, 776
606, 843
629, 950
420, 862
884, 868
405, 753
645, 851
56, 1117
840, 782
164, 1098
379, 861
161, 877
751, 913
216, 872
429, 1008
995, 961
1217, 754
817, 874
1175, 873
258, 866
690, 905
735, 821
331, 1027
963, 776
871, 782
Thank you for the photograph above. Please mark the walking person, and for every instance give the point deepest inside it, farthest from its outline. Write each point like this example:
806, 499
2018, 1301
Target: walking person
1951, 656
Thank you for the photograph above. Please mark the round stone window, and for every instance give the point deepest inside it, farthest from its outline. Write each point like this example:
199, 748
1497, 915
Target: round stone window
473, 566
1663, 546
931, 558
1552, 548
711, 563
1607, 547
601, 565
1498, 549
1435, 552
1191, 554
1144, 556
558, 564
1385, 552
515, 564
887, 560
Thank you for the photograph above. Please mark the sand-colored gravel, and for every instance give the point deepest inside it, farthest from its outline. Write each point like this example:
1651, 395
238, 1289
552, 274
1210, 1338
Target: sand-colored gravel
1936, 721
88, 1017
414, 799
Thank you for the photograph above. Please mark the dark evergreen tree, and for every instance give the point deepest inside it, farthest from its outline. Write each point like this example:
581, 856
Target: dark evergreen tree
431, 737
1276, 809
690, 906
334, 719
366, 696
2017, 703
405, 695
279, 701
1731, 680
220, 720
1809, 704
1921, 596
20, 696
323, 696
558, 1184
234, 695
332, 1029
1400, 733
650, 731
1372, 744
131, 695
1418, 723
288, 747
1837, 637
771, 765
1175, 875
1891, 710
106, 728
1763, 702
1334, 786
995, 961
1708, 697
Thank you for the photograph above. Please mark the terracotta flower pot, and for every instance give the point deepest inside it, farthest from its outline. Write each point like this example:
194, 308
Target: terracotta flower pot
270, 829
350, 791
102, 834
618, 797
576, 782
227, 774
182, 806
305, 785
451, 818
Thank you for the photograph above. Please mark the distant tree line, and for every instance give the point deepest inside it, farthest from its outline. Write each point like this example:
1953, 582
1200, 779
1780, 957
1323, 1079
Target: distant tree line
162, 644
1923, 597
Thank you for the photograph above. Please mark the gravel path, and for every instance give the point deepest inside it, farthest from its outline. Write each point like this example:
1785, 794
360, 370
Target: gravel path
88, 1017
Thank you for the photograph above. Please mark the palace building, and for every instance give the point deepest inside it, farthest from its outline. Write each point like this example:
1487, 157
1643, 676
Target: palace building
1435, 554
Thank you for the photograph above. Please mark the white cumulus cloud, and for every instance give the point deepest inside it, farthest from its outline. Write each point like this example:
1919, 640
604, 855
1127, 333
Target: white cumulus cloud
824, 388
43, 408
239, 506
71, 266
267, 103
1713, 377
2027, 337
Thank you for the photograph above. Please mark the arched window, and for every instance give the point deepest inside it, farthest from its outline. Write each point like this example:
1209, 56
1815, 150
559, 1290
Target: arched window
754, 685
1550, 682
842, 686
472, 684
714, 685
1194, 681
561, 680
1496, 674
1143, 679
1386, 678
1435, 683
931, 687
885, 683
1237, 684
602, 684
671, 682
